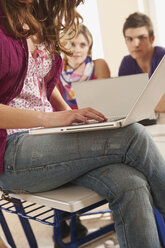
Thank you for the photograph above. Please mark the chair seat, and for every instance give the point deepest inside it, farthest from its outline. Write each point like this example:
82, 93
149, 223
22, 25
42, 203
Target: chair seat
70, 198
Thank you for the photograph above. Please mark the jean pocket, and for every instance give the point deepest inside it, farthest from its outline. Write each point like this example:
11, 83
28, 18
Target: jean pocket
12, 147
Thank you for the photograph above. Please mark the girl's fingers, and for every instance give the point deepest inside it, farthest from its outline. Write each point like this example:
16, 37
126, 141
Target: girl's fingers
94, 114
83, 115
78, 117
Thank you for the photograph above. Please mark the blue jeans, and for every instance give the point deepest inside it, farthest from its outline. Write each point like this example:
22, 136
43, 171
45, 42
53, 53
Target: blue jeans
123, 165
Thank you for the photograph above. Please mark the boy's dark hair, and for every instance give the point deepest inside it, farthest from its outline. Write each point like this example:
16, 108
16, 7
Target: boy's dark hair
136, 20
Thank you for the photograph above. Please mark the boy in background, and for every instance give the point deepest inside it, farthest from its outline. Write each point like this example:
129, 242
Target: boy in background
143, 56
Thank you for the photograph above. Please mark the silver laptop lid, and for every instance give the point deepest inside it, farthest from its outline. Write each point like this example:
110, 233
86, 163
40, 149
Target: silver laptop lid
127, 87
150, 97
112, 96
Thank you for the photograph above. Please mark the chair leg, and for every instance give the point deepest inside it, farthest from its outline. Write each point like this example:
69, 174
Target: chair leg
6, 230
26, 226
73, 228
57, 228
161, 226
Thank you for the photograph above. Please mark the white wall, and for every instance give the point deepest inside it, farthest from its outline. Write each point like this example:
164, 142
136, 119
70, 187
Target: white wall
149, 9
160, 21
112, 16
90, 14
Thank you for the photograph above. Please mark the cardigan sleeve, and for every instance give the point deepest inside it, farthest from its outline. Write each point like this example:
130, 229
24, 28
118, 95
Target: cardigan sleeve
13, 64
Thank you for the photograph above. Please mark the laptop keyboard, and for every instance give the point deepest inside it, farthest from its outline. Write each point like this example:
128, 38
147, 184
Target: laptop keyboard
109, 119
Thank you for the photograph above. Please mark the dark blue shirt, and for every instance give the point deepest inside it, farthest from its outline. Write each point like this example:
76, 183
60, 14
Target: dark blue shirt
129, 65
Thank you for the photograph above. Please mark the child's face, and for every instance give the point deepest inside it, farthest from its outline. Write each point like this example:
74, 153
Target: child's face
138, 42
79, 48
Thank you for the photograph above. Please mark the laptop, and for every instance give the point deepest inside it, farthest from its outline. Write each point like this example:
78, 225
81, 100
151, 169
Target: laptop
127, 99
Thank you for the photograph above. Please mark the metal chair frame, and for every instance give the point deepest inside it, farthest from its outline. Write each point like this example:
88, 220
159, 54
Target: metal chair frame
53, 217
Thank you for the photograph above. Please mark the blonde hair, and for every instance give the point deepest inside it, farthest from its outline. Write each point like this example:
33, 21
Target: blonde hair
88, 36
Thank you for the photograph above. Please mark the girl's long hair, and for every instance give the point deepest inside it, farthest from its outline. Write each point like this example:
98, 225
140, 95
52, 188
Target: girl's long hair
49, 20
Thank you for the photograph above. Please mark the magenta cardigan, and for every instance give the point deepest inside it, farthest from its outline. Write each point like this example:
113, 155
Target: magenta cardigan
13, 68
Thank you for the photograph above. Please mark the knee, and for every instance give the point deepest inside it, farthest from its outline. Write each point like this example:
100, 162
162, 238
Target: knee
136, 129
114, 180
126, 178
139, 138
128, 185
132, 200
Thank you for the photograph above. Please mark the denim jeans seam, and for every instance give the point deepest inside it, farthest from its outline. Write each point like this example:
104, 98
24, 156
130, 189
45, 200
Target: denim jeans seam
15, 151
119, 210
128, 141
107, 188
61, 163
134, 189
123, 227
17, 137
133, 162
111, 193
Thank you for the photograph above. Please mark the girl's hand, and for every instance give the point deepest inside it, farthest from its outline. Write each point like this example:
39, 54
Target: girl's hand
66, 118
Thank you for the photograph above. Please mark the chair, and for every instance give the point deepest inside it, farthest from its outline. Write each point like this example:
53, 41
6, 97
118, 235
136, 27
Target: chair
47, 208
43, 207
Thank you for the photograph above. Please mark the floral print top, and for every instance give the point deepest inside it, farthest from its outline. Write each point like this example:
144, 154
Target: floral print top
33, 95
